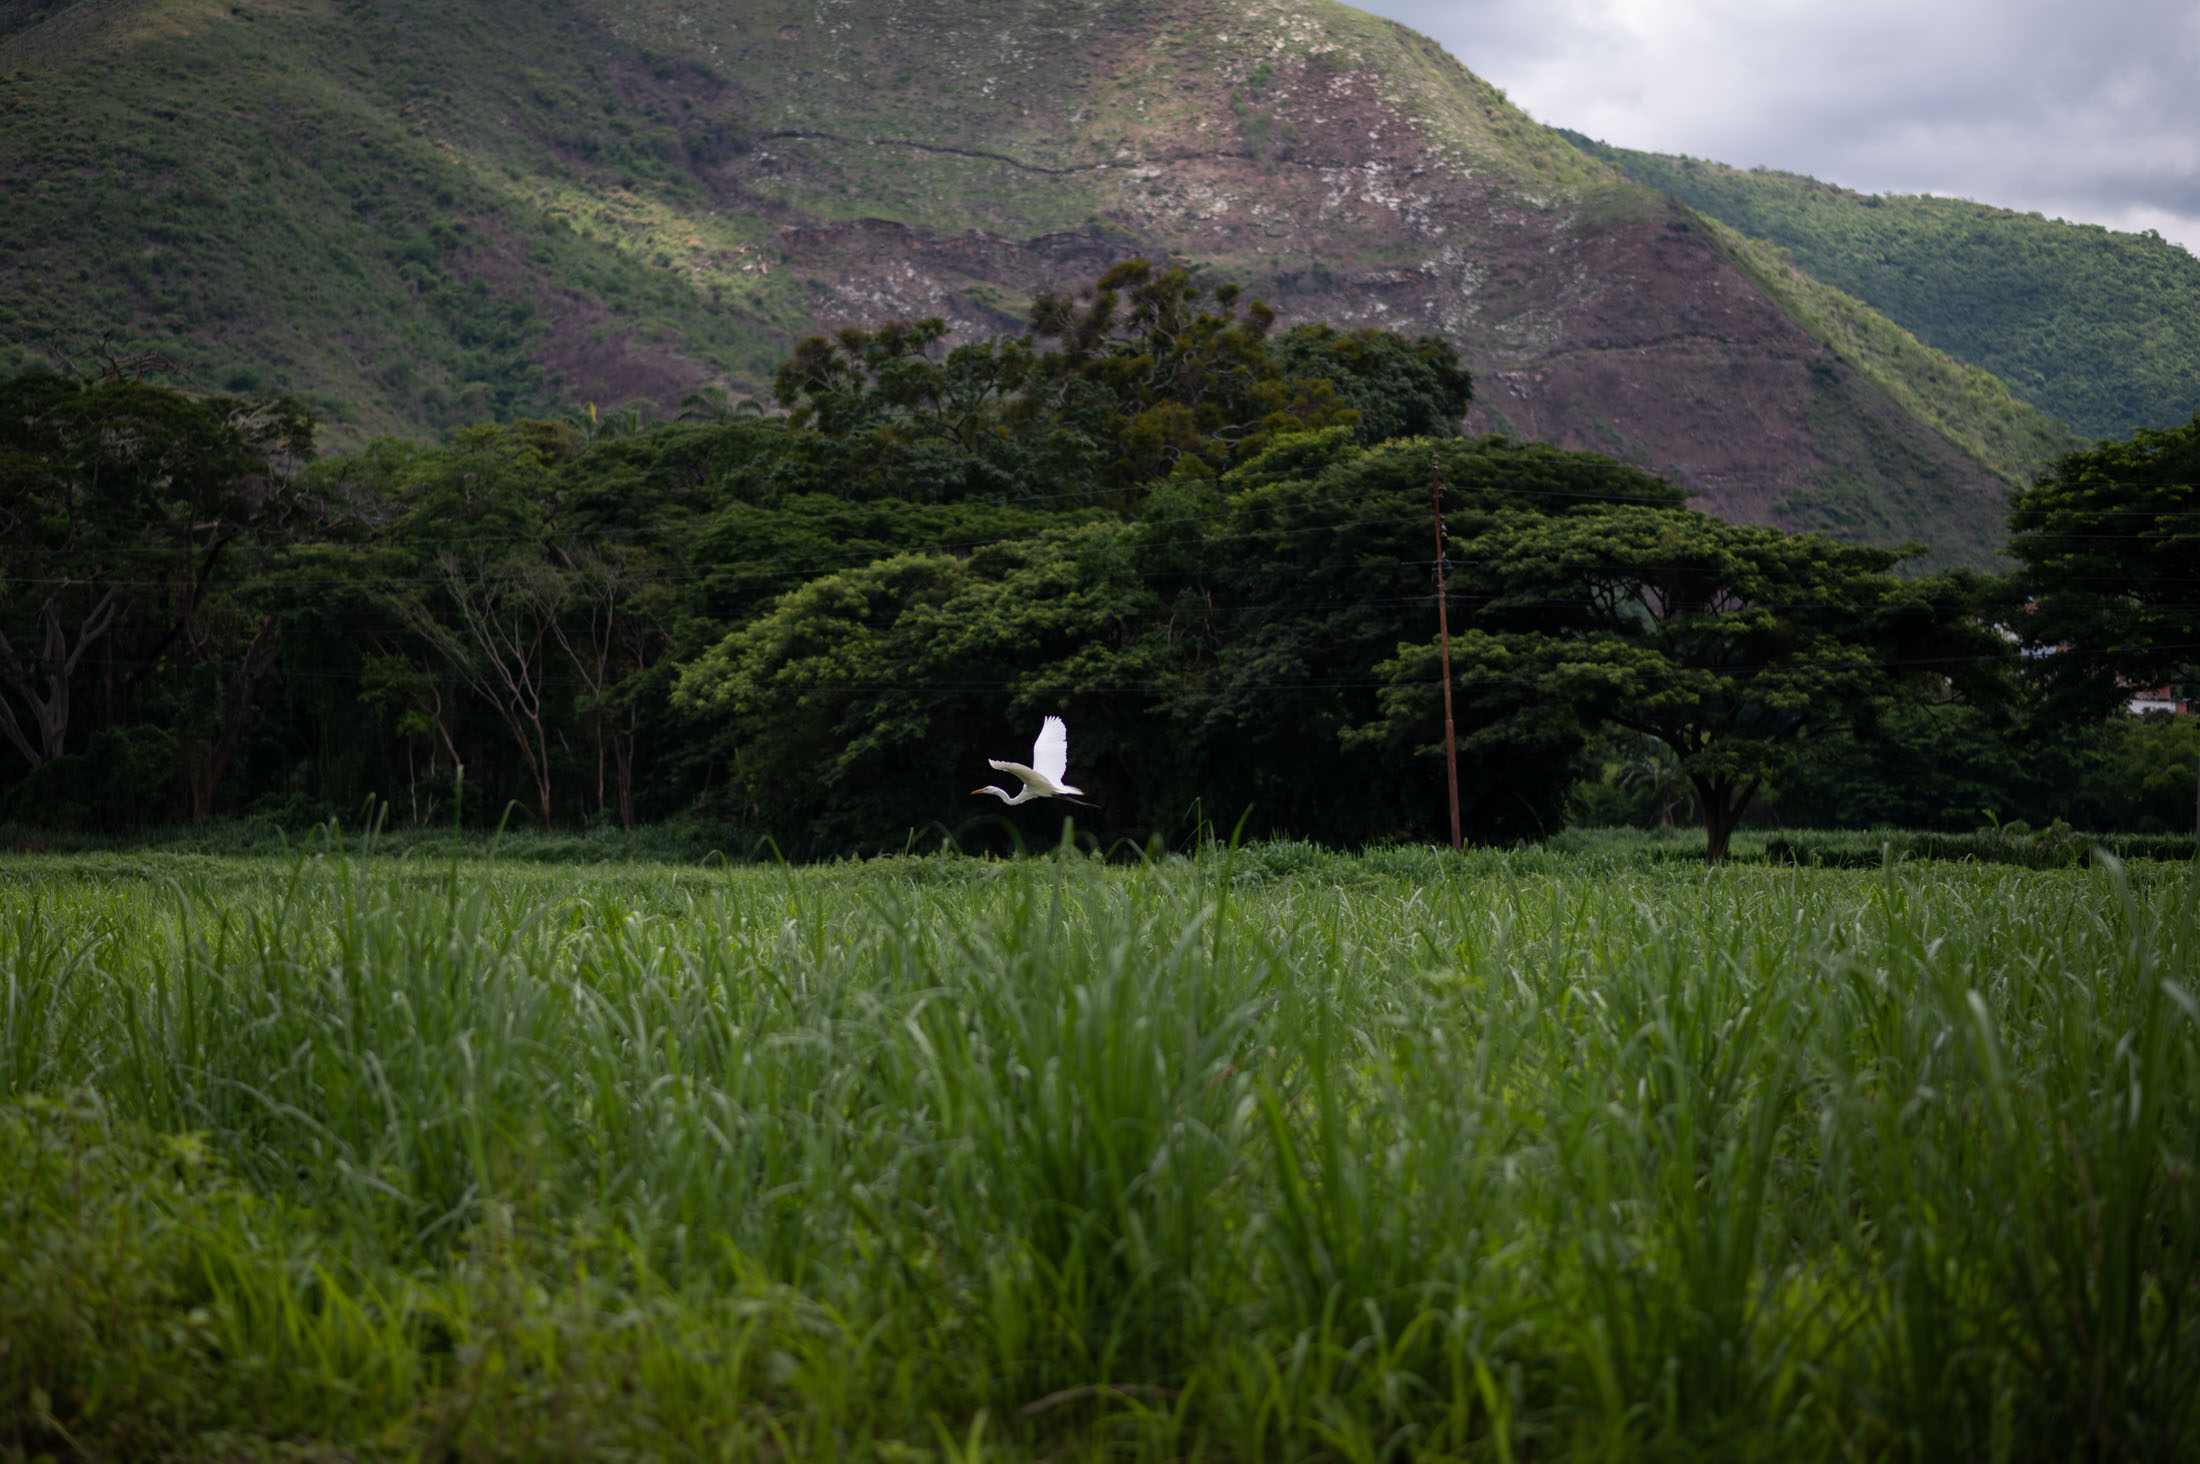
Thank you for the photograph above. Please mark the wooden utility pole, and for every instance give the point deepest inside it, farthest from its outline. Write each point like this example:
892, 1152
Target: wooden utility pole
1443, 641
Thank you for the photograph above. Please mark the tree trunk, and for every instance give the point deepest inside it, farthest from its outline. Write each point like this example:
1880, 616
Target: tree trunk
1723, 802
50, 712
597, 727
1718, 831
622, 753
541, 769
239, 685
501, 655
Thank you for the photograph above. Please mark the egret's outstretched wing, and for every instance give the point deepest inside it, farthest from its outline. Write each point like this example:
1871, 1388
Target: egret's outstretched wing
1029, 777
1050, 754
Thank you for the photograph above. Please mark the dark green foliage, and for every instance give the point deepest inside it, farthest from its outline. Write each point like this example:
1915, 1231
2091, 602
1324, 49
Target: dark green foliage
2098, 328
1263, 644
1324, 563
751, 553
1145, 516
2055, 845
1731, 646
1171, 379
123, 780
1949, 767
867, 700
133, 520
885, 415
2108, 541
1400, 388
1218, 653
1142, 376
1936, 765
2146, 778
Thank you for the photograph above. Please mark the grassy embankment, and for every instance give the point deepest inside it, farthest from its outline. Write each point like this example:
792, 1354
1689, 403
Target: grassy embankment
1523, 1155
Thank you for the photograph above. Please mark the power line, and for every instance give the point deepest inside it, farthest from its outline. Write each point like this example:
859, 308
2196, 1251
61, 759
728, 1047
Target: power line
1539, 680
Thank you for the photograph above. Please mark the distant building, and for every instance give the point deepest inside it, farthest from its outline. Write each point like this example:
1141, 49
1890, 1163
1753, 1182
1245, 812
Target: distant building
2181, 700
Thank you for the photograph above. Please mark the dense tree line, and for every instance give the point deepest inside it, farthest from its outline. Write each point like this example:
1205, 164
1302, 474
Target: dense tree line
1208, 543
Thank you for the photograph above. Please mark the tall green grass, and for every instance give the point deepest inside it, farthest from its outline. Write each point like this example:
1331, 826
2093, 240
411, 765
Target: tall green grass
1267, 1155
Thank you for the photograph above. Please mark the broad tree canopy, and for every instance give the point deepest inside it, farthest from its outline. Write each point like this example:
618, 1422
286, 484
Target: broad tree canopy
2109, 544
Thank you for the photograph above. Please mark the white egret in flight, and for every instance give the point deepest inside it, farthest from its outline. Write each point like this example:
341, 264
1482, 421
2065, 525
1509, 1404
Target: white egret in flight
1043, 779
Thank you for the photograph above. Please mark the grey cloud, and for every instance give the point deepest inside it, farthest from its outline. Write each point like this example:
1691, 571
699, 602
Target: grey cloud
2024, 103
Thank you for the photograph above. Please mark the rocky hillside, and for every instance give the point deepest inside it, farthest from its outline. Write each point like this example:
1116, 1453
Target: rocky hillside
418, 214
2096, 327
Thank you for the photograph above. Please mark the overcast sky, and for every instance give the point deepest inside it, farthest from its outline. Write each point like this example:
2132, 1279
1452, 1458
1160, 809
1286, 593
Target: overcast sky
2087, 110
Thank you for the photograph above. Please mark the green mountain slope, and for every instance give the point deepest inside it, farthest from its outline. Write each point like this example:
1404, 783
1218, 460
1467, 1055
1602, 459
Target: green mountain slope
1967, 405
384, 208
419, 215
2098, 328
